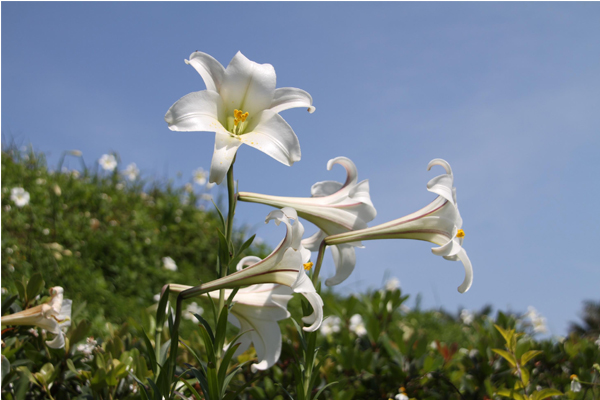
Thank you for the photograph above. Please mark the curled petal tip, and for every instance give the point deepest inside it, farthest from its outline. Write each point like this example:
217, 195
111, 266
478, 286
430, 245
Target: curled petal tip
441, 162
462, 255
311, 109
186, 61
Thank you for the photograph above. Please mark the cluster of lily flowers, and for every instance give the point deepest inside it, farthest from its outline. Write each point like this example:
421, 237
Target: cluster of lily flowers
241, 105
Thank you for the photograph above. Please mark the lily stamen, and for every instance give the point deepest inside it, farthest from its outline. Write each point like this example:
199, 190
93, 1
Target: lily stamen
239, 117
460, 233
308, 266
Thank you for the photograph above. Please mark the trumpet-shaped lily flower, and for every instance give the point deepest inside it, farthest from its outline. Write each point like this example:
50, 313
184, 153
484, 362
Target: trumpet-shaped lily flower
438, 223
334, 208
241, 105
286, 265
51, 316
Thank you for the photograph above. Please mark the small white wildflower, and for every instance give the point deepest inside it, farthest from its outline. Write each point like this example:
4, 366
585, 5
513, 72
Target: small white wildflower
191, 309
19, 196
40, 181
7, 207
392, 284
331, 325
169, 264
11, 268
147, 241
433, 345
357, 325
46, 231
575, 385
131, 172
119, 186
75, 174
467, 316
189, 188
401, 396
200, 177
33, 331
537, 321
156, 298
57, 190
206, 196
108, 162
4, 290
9, 250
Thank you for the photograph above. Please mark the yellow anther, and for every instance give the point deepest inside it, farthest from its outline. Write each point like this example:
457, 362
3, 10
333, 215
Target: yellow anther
574, 377
308, 266
237, 113
236, 122
244, 116
460, 233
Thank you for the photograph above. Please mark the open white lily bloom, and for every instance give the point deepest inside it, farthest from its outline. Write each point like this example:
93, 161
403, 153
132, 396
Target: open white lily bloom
286, 265
334, 208
51, 316
255, 311
438, 223
241, 105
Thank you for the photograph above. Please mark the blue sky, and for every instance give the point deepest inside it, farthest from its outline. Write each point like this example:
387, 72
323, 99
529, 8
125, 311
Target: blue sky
508, 93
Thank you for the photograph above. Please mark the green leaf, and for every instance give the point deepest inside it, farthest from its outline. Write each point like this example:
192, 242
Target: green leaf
36, 282
157, 393
529, 355
219, 339
208, 344
141, 384
545, 393
224, 255
507, 335
507, 356
300, 334
510, 394
202, 381
232, 296
21, 289
149, 351
162, 307
7, 303
220, 216
225, 363
195, 394
71, 366
524, 375
208, 329
79, 333
323, 388
243, 247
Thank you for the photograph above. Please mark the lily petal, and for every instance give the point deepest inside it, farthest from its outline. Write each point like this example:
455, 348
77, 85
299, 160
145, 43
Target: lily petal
210, 70
313, 242
442, 185
289, 97
247, 85
226, 147
304, 285
466, 285
344, 258
197, 111
273, 136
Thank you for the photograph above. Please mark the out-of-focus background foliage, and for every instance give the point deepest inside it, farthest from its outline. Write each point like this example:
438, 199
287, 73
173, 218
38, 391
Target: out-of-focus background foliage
102, 237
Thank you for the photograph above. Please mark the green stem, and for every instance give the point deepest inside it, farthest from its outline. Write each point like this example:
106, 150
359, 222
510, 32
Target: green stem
312, 336
157, 340
228, 234
315, 277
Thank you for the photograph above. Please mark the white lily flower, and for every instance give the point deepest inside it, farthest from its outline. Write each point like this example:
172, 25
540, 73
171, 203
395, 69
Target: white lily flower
51, 316
256, 310
334, 208
438, 223
108, 162
286, 265
241, 105
19, 196
131, 172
